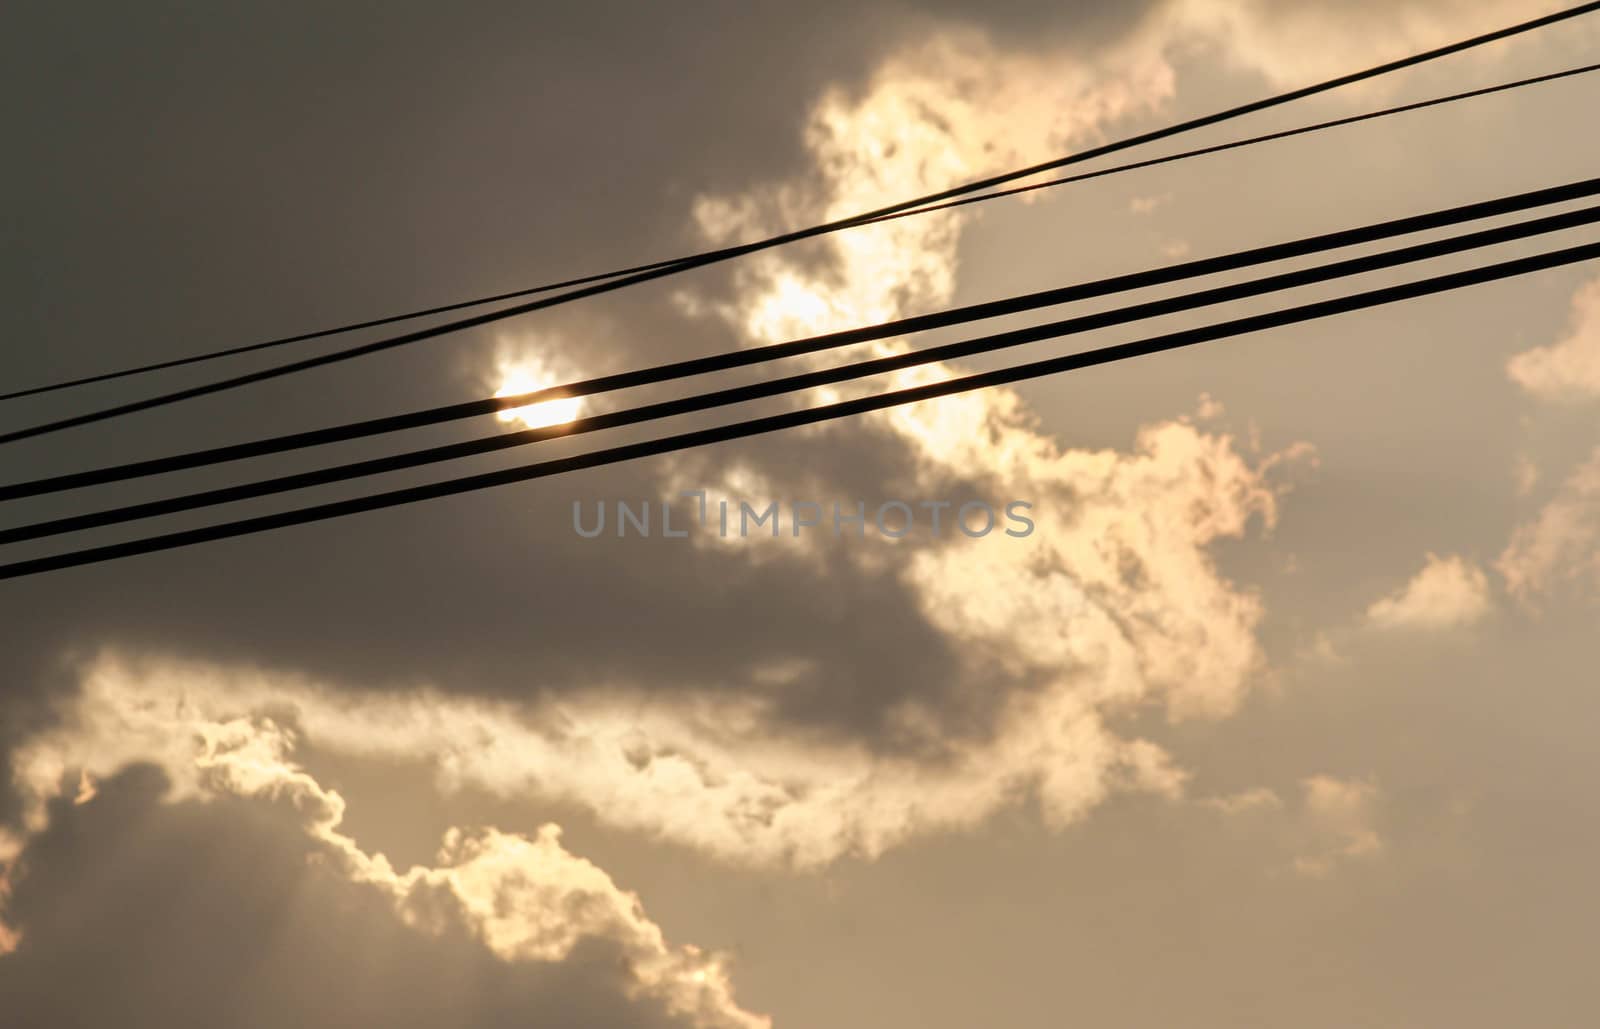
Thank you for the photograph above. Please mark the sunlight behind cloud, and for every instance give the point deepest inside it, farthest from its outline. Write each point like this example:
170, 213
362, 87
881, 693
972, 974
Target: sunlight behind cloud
527, 377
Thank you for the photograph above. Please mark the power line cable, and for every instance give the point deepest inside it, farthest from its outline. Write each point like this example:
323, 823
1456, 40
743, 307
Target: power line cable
809, 416
814, 344
806, 380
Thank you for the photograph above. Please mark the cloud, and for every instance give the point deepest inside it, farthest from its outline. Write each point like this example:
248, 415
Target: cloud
525, 898
926, 120
1560, 547
1120, 552
1447, 593
714, 774
1557, 548
1568, 369
138, 909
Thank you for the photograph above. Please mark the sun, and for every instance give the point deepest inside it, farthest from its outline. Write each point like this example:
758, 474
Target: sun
517, 379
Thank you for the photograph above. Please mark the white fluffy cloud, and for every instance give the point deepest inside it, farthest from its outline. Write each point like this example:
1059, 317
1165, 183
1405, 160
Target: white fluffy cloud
1447, 592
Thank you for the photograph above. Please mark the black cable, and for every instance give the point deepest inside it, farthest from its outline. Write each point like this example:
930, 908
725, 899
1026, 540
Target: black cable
645, 273
814, 344
809, 416
807, 380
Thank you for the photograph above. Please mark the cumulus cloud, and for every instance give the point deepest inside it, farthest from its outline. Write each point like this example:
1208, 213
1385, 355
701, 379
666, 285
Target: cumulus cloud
1448, 592
1116, 581
1568, 369
1560, 546
711, 774
240, 915
527, 899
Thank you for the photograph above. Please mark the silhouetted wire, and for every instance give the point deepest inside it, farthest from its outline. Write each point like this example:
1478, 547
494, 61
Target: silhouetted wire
807, 416
810, 345
808, 380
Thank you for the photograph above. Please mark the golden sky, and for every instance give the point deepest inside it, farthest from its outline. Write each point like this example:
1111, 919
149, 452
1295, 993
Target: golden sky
1281, 716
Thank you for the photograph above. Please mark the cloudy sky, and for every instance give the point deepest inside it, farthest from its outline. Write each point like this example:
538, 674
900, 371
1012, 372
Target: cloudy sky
1282, 715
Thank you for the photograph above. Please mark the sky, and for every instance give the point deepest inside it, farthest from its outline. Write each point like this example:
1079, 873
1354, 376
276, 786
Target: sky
1280, 715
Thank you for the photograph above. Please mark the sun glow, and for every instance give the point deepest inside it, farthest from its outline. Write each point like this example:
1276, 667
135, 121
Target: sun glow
517, 379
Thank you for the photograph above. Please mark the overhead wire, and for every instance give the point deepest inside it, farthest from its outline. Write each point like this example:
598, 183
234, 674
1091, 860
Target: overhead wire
809, 416
729, 360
